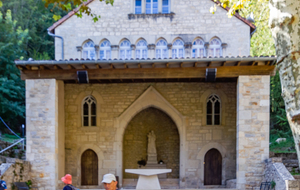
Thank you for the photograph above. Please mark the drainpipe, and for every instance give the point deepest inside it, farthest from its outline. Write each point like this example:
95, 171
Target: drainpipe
62, 42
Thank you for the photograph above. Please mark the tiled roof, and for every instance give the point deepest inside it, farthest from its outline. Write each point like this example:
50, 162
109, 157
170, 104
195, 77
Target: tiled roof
71, 13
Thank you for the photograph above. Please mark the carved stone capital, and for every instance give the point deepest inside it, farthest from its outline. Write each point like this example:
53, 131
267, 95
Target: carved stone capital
151, 46
224, 45
206, 44
188, 45
79, 48
96, 47
170, 46
132, 46
114, 47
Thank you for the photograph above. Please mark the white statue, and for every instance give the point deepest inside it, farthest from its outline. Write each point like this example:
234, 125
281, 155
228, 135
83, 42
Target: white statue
151, 143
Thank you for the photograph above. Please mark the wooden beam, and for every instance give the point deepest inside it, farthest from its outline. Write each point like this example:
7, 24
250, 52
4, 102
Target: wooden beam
224, 63
195, 65
70, 66
269, 62
238, 63
153, 65
84, 66
209, 64
125, 66
149, 73
98, 66
181, 64
55, 67
112, 66
139, 65
19, 67
253, 63
42, 67
167, 65
28, 67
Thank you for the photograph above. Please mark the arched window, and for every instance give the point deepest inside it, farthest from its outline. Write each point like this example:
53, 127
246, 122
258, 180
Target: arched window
138, 6
215, 49
178, 49
125, 50
141, 50
161, 49
105, 50
151, 6
89, 168
213, 110
88, 50
89, 111
165, 6
198, 48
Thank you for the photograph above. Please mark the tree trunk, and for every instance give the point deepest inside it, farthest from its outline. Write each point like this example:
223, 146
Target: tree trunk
285, 27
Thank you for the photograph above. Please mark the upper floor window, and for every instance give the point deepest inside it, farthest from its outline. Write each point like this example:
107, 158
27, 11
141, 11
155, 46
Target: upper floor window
105, 50
125, 50
141, 50
161, 49
88, 50
138, 6
215, 49
198, 49
151, 6
89, 111
165, 6
178, 49
213, 110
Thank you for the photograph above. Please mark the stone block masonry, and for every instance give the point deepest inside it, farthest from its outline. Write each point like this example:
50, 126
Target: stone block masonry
253, 109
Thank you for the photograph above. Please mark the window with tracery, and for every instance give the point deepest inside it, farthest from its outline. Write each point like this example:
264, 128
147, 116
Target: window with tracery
89, 111
215, 49
151, 6
213, 110
161, 49
88, 50
198, 49
125, 50
141, 50
105, 50
178, 49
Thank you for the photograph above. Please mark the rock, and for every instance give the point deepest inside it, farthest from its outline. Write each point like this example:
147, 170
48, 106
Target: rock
279, 140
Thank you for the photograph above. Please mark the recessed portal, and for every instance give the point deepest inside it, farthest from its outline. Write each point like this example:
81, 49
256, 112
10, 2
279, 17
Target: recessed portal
135, 141
213, 167
89, 168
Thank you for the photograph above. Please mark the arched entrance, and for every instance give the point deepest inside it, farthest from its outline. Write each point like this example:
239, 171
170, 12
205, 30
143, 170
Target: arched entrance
135, 141
89, 168
213, 167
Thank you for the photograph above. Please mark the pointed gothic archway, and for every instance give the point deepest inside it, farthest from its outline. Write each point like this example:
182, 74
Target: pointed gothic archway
150, 98
89, 168
213, 167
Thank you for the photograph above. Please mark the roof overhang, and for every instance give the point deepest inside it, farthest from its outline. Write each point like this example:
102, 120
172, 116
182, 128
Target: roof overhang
147, 69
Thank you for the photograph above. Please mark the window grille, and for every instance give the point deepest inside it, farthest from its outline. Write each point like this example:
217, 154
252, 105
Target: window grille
198, 49
215, 49
178, 49
89, 112
213, 110
125, 50
151, 6
88, 51
141, 50
105, 50
161, 49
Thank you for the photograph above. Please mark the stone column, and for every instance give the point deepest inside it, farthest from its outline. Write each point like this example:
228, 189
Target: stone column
206, 45
170, 50
45, 131
253, 117
187, 49
79, 50
114, 52
151, 51
97, 48
224, 46
132, 46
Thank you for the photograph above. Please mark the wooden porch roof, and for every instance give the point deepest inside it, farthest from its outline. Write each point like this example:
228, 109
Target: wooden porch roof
133, 69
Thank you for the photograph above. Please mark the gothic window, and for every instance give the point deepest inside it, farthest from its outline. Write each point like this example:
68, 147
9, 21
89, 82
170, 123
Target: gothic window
138, 6
165, 6
125, 50
215, 49
88, 50
141, 50
161, 49
105, 50
89, 111
213, 110
198, 49
178, 49
151, 6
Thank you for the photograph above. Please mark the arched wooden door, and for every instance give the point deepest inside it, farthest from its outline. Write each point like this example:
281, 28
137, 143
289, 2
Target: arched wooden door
89, 168
213, 168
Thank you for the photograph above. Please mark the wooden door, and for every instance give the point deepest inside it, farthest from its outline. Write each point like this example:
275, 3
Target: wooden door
213, 168
89, 168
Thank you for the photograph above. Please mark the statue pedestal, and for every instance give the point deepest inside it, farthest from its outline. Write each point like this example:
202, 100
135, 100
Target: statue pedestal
157, 166
152, 159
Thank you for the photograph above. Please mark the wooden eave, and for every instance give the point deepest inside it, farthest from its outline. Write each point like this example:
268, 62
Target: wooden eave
136, 69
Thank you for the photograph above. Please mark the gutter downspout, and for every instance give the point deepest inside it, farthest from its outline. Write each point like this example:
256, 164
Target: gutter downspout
62, 42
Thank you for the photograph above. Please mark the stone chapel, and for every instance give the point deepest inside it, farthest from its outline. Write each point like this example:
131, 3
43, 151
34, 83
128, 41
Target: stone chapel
167, 66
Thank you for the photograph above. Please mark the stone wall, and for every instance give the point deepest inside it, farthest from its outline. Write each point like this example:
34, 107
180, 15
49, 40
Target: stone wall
252, 129
136, 141
191, 19
188, 99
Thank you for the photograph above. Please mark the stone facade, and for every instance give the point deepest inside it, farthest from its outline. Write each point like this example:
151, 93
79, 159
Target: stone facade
253, 107
117, 104
191, 19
